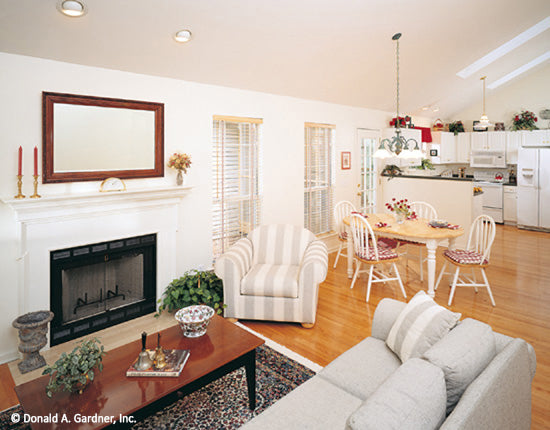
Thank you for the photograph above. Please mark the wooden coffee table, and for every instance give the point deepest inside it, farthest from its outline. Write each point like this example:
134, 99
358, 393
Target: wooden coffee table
224, 348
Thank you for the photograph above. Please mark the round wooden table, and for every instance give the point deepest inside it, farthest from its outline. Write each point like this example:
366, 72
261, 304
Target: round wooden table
416, 230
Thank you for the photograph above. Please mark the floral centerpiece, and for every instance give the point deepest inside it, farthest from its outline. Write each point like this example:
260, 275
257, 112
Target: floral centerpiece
525, 120
180, 162
402, 209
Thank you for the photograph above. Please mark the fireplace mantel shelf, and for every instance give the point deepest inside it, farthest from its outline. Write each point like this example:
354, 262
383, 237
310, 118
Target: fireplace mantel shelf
86, 204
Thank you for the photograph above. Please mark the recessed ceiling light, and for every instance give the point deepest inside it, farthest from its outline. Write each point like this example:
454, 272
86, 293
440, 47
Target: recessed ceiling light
72, 8
505, 48
540, 59
182, 36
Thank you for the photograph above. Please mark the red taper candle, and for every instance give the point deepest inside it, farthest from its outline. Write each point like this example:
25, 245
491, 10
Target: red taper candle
20, 163
35, 161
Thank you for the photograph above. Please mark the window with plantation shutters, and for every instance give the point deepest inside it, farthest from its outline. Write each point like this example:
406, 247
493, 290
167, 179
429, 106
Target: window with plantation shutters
237, 192
318, 177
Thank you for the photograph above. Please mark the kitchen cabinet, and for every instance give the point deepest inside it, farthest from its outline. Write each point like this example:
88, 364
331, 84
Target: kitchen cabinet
479, 141
496, 141
510, 205
447, 146
463, 147
513, 142
535, 137
488, 141
477, 206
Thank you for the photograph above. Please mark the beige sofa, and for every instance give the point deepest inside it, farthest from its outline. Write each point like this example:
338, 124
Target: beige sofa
368, 387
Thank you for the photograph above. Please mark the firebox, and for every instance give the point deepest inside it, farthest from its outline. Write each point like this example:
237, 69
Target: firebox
102, 284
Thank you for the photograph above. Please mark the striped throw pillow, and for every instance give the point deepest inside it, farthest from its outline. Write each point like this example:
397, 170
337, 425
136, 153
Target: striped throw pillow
419, 325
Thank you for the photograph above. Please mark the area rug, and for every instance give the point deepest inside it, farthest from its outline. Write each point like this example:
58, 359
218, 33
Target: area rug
222, 404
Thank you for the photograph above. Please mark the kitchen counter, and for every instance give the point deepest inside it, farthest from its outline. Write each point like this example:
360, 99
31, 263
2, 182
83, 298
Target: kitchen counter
445, 178
452, 198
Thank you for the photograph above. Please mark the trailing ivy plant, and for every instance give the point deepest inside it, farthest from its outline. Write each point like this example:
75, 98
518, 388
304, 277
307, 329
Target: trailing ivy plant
71, 372
187, 291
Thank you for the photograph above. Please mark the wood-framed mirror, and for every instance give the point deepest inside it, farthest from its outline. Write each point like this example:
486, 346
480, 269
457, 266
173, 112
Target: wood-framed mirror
88, 138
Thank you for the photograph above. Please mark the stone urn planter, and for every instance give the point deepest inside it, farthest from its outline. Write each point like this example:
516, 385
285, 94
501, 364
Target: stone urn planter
33, 330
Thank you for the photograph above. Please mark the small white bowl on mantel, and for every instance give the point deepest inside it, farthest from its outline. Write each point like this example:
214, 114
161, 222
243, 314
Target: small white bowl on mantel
194, 320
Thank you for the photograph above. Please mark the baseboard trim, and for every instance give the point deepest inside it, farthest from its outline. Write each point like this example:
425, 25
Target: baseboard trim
9, 356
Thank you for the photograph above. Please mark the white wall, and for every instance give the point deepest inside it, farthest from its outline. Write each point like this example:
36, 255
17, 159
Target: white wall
189, 108
529, 92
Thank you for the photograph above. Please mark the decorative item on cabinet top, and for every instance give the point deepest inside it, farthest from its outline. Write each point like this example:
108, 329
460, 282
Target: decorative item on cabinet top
525, 120
456, 127
438, 125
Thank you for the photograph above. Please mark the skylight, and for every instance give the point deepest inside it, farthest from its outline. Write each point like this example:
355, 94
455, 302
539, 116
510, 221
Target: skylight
540, 59
505, 48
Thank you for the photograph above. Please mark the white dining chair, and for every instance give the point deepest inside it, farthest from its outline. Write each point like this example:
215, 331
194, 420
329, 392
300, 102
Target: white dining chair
341, 210
422, 210
475, 256
367, 251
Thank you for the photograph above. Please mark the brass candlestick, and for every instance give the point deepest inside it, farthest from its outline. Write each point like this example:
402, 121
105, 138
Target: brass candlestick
19, 195
35, 195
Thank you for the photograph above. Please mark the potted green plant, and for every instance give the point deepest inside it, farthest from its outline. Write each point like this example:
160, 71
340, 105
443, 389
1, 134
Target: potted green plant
73, 371
391, 170
195, 287
425, 164
456, 127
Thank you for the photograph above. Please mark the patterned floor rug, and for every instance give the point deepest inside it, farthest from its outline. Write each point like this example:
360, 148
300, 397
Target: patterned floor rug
223, 404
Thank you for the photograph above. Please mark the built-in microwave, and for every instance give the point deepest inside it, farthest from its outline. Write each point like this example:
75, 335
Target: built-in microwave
488, 159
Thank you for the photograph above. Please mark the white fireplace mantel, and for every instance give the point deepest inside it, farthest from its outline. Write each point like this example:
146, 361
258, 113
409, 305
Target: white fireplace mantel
62, 221
67, 206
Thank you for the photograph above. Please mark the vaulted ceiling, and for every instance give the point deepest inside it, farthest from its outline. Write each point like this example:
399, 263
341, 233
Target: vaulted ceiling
334, 51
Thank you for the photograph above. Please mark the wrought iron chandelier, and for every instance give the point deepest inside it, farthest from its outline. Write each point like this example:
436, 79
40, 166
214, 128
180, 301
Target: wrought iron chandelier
398, 145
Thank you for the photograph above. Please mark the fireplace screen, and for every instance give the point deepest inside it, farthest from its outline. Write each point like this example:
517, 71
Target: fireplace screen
99, 285
96, 288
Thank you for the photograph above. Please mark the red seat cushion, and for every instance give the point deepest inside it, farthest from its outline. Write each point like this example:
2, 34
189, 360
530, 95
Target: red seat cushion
386, 242
462, 256
383, 254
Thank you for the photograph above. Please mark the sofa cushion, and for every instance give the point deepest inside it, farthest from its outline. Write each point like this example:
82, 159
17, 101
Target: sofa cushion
419, 325
280, 244
412, 398
462, 355
316, 404
271, 280
362, 369
500, 397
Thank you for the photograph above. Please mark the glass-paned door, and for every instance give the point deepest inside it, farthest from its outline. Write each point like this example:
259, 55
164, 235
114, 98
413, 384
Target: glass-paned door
368, 142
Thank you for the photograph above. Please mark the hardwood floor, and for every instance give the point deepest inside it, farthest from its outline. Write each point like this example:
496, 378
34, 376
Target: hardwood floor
519, 274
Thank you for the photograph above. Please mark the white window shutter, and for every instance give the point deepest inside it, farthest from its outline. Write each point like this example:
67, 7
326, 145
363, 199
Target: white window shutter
237, 192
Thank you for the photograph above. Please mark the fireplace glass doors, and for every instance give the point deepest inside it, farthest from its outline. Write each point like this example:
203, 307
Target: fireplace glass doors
100, 285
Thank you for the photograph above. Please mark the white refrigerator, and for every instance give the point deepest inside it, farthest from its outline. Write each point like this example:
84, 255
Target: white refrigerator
534, 187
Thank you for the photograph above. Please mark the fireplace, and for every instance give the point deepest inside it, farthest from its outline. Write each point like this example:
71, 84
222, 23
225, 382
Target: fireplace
102, 284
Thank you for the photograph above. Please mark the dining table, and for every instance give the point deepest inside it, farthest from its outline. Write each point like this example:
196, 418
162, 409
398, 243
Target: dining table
414, 230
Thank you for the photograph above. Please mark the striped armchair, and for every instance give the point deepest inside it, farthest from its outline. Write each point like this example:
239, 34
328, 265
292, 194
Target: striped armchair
274, 274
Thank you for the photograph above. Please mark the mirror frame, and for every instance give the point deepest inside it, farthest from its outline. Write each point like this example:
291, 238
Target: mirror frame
49, 99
